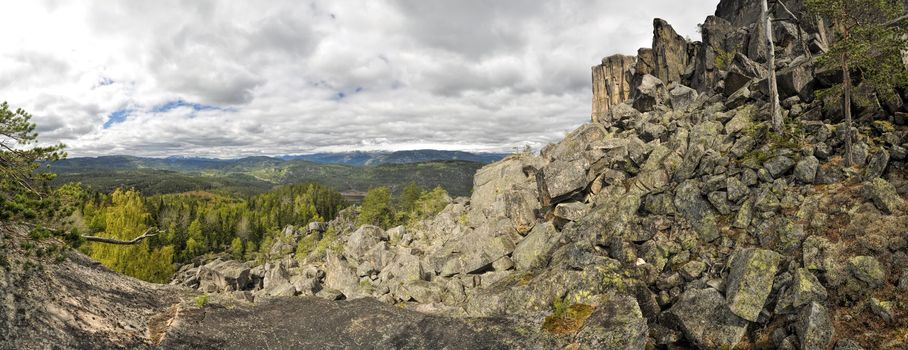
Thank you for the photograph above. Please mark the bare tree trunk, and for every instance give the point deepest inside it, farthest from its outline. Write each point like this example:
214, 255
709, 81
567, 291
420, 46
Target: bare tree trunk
846, 80
774, 107
116, 241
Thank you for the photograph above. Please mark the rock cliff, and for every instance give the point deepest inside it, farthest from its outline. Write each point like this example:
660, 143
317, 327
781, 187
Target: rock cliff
675, 219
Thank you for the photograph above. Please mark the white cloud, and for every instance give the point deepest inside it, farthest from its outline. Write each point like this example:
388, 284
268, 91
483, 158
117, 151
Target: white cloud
276, 77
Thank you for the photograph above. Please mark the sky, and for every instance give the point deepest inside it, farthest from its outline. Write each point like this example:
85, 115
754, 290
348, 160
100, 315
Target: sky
215, 78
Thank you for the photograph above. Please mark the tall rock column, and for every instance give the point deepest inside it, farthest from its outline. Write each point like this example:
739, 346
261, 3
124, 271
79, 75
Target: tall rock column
611, 84
669, 52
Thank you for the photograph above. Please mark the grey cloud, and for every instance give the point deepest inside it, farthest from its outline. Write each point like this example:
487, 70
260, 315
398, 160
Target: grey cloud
482, 75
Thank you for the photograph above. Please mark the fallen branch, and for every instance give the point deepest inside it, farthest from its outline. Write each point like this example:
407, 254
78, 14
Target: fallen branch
116, 241
895, 21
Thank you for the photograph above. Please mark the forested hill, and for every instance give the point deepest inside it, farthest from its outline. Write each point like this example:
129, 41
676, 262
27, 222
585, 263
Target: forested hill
361, 158
256, 174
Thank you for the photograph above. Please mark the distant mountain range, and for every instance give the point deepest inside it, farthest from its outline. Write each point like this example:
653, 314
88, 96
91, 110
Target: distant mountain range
361, 158
352, 172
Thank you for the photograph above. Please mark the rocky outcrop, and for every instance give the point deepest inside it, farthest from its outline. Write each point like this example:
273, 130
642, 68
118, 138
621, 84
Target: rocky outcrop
670, 53
676, 219
65, 300
612, 82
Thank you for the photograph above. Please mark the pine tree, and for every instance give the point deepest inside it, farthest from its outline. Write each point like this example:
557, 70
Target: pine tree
24, 193
376, 208
869, 40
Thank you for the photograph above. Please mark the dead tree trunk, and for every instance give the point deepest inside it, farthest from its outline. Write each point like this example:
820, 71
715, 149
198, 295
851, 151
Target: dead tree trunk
774, 107
846, 92
136, 240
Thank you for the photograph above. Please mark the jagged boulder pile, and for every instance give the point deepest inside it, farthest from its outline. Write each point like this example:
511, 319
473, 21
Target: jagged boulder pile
677, 218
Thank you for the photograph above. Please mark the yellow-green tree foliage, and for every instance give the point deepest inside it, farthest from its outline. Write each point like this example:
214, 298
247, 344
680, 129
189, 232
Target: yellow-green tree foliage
429, 203
126, 219
376, 208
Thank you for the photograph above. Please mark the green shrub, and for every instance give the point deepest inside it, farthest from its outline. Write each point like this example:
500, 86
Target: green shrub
201, 300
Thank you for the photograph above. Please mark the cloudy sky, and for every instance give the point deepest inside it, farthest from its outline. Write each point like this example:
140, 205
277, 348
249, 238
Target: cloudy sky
232, 78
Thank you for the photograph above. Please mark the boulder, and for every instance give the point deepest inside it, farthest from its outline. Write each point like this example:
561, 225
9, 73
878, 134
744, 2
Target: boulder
706, 320
778, 166
740, 121
305, 285
405, 268
570, 211
362, 240
649, 94
847, 344
616, 324
796, 79
515, 178
536, 248
883, 309
742, 72
719, 200
804, 288
691, 205
814, 327
868, 270
737, 190
883, 195
681, 97
817, 254
478, 249
339, 275
877, 165
806, 169
210, 281
738, 98
563, 178
692, 270
749, 281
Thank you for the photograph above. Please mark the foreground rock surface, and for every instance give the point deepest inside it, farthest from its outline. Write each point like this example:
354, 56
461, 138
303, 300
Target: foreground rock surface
315, 323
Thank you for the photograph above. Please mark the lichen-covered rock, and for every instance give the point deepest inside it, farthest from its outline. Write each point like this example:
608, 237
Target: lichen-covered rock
719, 200
706, 320
681, 97
650, 93
739, 122
536, 248
514, 178
736, 189
847, 344
806, 169
778, 166
816, 253
876, 165
339, 275
615, 324
670, 52
570, 211
693, 207
883, 195
804, 288
868, 270
477, 249
693, 269
362, 240
749, 281
883, 309
563, 178
814, 327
